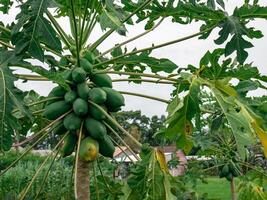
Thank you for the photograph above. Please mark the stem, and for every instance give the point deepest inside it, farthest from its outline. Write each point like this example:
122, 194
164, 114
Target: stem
131, 39
153, 47
145, 96
233, 192
38, 111
76, 33
60, 31
52, 51
40, 168
7, 45
4, 29
46, 175
143, 80
83, 23
90, 27
116, 124
137, 74
32, 77
103, 37
123, 142
35, 143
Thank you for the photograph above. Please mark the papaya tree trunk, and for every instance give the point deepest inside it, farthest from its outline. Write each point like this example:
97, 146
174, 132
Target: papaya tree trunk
83, 180
233, 192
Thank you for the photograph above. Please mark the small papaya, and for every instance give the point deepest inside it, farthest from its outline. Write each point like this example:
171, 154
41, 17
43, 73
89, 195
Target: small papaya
68, 146
78, 75
96, 112
229, 176
59, 128
106, 147
225, 170
101, 80
63, 61
95, 128
86, 65
70, 96
72, 122
80, 107
114, 99
56, 109
89, 149
83, 90
89, 56
97, 95
57, 91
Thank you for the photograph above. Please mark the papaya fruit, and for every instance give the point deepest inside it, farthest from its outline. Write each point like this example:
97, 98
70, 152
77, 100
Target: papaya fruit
86, 65
68, 145
67, 75
70, 96
83, 90
114, 99
89, 149
95, 128
89, 56
78, 75
72, 122
80, 107
56, 109
97, 95
114, 109
229, 176
96, 113
225, 170
57, 91
106, 147
234, 169
101, 80
63, 61
59, 128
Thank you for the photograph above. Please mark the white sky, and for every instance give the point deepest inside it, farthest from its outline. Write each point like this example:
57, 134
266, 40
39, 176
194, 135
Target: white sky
184, 53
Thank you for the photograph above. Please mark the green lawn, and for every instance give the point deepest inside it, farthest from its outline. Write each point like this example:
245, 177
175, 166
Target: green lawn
216, 188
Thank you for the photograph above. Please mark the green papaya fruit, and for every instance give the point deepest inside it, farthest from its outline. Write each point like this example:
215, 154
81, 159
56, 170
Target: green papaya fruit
63, 61
89, 56
57, 91
59, 128
89, 149
114, 99
97, 95
78, 75
95, 128
72, 122
96, 112
86, 65
80, 107
106, 147
56, 109
225, 170
67, 75
68, 145
233, 169
83, 90
70, 96
101, 80
229, 176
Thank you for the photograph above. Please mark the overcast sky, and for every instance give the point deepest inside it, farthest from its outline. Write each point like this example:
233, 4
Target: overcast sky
184, 53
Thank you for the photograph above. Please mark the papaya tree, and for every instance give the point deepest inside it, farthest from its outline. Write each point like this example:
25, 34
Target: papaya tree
79, 110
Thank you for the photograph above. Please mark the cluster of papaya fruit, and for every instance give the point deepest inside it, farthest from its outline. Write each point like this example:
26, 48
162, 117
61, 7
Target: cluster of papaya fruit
87, 86
229, 171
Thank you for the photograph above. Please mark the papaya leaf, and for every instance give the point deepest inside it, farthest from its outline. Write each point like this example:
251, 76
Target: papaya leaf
5, 5
33, 28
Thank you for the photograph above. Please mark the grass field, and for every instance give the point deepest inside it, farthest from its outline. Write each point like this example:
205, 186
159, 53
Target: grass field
215, 188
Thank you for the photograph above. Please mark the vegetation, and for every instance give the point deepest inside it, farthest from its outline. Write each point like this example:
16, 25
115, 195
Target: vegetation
207, 112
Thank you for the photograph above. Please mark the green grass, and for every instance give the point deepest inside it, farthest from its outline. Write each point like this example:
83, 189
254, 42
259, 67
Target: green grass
216, 188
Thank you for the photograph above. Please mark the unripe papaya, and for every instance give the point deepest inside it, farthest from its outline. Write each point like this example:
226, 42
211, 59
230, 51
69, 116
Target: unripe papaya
101, 80
233, 169
56, 109
63, 61
89, 149
225, 170
80, 107
72, 122
229, 176
106, 147
86, 65
97, 95
70, 96
96, 112
57, 91
83, 90
89, 56
114, 99
95, 128
78, 75
68, 145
